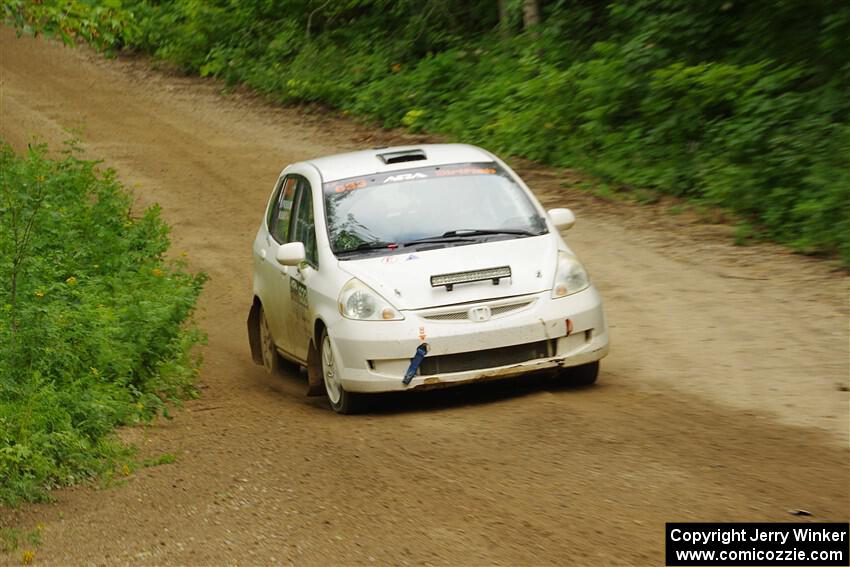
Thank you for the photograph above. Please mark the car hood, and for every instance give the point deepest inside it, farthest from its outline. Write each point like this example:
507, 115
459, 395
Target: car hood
404, 279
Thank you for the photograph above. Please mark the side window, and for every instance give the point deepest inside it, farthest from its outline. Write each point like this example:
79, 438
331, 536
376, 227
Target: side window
304, 228
280, 213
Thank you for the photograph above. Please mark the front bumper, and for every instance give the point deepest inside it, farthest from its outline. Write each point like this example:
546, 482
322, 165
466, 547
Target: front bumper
372, 356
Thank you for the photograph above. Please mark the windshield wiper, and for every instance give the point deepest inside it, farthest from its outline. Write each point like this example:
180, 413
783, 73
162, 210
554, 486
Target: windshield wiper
487, 231
459, 235
466, 234
368, 246
438, 239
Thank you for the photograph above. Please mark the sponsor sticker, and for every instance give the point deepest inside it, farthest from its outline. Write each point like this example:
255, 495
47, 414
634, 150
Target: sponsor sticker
405, 177
378, 179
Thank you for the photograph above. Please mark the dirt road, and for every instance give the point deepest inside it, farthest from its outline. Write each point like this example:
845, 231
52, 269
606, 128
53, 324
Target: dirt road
721, 400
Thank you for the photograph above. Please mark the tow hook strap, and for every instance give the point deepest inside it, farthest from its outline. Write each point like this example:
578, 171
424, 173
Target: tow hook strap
421, 351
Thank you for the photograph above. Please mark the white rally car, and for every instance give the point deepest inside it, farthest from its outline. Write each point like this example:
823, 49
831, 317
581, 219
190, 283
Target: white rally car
413, 267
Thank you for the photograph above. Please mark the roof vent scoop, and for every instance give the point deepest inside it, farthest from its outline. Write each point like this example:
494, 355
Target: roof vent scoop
402, 156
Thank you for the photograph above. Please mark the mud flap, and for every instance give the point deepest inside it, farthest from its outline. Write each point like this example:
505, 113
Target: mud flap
315, 380
254, 332
421, 351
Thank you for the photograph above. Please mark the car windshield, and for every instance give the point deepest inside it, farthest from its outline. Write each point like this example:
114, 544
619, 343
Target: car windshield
447, 205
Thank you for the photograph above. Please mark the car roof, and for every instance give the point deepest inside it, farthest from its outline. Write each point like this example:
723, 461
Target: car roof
368, 162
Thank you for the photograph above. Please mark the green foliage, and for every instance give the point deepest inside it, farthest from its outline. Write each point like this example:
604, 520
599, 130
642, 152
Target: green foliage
104, 24
93, 329
164, 459
742, 105
12, 539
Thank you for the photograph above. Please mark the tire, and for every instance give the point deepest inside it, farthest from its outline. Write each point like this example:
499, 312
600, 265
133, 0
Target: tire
341, 401
272, 361
583, 375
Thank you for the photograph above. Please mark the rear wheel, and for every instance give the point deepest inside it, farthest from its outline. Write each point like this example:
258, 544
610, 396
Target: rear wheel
341, 401
271, 359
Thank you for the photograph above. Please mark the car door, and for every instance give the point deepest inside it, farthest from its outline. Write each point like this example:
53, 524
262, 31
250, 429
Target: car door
301, 278
274, 275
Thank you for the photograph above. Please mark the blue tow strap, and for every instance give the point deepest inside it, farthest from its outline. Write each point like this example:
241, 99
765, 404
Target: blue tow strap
421, 351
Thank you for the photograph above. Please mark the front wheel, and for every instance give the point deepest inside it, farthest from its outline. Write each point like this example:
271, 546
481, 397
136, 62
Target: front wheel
341, 401
583, 375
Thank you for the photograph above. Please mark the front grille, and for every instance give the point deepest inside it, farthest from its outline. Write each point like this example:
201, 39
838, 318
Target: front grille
482, 359
463, 315
502, 309
451, 316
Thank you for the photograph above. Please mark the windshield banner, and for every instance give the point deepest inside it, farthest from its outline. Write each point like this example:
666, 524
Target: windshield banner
453, 170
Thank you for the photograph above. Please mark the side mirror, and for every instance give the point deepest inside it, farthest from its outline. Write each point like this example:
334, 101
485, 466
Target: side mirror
291, 254
564, 219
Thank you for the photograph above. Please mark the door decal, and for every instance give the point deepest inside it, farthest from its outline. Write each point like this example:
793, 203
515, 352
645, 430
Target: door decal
298, 292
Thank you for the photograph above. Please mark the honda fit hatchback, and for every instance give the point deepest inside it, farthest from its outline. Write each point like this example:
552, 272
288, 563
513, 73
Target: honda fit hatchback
416, 267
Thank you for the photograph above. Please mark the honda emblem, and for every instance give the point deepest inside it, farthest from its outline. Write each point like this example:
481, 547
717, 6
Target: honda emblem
479, 314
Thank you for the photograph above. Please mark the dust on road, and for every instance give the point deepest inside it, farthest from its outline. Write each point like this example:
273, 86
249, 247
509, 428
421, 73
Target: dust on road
721, 399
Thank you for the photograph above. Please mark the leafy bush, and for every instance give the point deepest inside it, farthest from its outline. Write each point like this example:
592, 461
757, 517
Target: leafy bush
102, 24
743, 105
93, 320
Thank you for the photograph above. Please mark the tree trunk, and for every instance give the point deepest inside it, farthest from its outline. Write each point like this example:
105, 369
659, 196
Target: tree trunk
530, 13
504, 20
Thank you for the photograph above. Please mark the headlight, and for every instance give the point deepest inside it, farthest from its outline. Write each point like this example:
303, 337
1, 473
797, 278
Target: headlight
571, 276
361, 302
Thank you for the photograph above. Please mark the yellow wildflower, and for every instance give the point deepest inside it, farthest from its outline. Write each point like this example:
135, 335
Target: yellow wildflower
125, 470
27, 556
157, 272
39, 294
71, 281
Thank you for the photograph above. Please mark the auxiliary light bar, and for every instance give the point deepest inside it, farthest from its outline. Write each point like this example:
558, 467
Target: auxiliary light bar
449, 280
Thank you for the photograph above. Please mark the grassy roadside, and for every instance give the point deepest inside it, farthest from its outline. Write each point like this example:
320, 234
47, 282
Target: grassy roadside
95, 323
